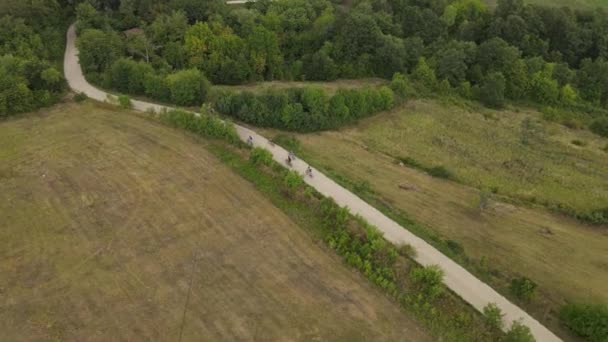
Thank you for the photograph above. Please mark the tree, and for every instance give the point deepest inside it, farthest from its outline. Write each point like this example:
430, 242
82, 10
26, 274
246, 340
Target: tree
264, 53
188, 87
359, 35
168, 28
568, 95
492, 90
87, 17
496, 55
451, 66
389, 57
543, 89
98, 49
138, 44
424, 74
599, 126
52, 78
320, 66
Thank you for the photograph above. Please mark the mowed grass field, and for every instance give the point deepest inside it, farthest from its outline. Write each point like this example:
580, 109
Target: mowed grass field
115, 227
566, 258
574, 4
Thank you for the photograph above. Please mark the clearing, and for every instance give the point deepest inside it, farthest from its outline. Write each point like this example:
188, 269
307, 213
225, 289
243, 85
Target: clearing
118, 227
566, 258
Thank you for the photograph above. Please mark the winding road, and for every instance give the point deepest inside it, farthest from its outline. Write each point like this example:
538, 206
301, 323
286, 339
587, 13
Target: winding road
459, 280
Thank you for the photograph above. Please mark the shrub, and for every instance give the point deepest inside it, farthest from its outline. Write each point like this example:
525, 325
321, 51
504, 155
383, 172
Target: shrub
523, 288
519, 333
600, 126
440, 172
493, 315
79, 97
578, 142
188, 87
203, 124
260, 156
455, 247
293, 180
588, 321
428, 281
400, 85
124, 101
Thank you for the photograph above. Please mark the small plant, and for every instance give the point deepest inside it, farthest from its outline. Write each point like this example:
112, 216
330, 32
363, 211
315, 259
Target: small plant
124, 101
440, 172
578, 142
519, 333
293, 180
605, 149
484, 200
493, 315
79, 97
523, 288
260, 156
407, 250
428, 280
455, 247
589, 321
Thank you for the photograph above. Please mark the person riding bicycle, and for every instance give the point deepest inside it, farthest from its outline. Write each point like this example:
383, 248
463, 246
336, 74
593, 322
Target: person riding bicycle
292, 156
250, 140
309, 171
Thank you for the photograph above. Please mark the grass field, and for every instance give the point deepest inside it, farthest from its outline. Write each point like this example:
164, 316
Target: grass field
115, 227
566, 258
574, 4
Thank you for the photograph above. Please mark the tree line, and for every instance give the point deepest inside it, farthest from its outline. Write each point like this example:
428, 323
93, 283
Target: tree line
551, 56
304, 109
31, 51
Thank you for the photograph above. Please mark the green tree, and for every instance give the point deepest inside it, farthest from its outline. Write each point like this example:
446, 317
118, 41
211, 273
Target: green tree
98, 49
264, 53
424, 74
543, 89
492, 90
568, 95
188, 87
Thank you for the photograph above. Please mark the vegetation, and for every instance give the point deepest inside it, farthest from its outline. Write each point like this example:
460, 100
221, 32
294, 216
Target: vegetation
87, 250
502, 241
519, 333
523, 53
418, 289
493, 315
305, 109
31, 50
523, 288
589, 321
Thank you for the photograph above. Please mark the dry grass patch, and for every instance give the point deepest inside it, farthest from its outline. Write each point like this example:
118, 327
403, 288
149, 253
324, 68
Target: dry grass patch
116, 227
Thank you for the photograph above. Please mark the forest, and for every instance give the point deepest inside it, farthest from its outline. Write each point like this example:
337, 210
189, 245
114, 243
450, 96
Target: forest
554, 58
172, 50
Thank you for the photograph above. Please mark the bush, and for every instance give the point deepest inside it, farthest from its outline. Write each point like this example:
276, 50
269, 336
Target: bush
293, 180
260, 156
519, 333
203, 124
79, 97
600, 126
440, 172
124, 101
523, 288
493, 315
588, 321
188, 87
400, 85
578, 142
428, 281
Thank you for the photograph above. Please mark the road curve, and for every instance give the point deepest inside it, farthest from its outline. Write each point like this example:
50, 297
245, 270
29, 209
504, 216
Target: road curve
459, 280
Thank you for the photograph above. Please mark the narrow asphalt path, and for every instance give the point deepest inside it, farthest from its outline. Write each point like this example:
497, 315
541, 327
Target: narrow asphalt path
459, 280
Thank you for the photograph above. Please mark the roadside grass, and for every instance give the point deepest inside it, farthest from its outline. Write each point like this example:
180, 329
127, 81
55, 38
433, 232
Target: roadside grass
444, 314
115, 227
497, 241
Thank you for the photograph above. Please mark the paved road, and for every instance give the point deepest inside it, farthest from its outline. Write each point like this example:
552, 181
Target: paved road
459, 280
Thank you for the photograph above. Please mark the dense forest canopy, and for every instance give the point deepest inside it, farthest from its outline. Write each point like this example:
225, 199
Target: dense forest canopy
545, 55
31, 50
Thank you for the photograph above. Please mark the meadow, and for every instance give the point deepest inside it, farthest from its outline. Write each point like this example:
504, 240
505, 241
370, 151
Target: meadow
497, 237
119, 227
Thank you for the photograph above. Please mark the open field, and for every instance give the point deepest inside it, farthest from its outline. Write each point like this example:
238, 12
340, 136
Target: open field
329, 87
566, 258
574, 4
116, 227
